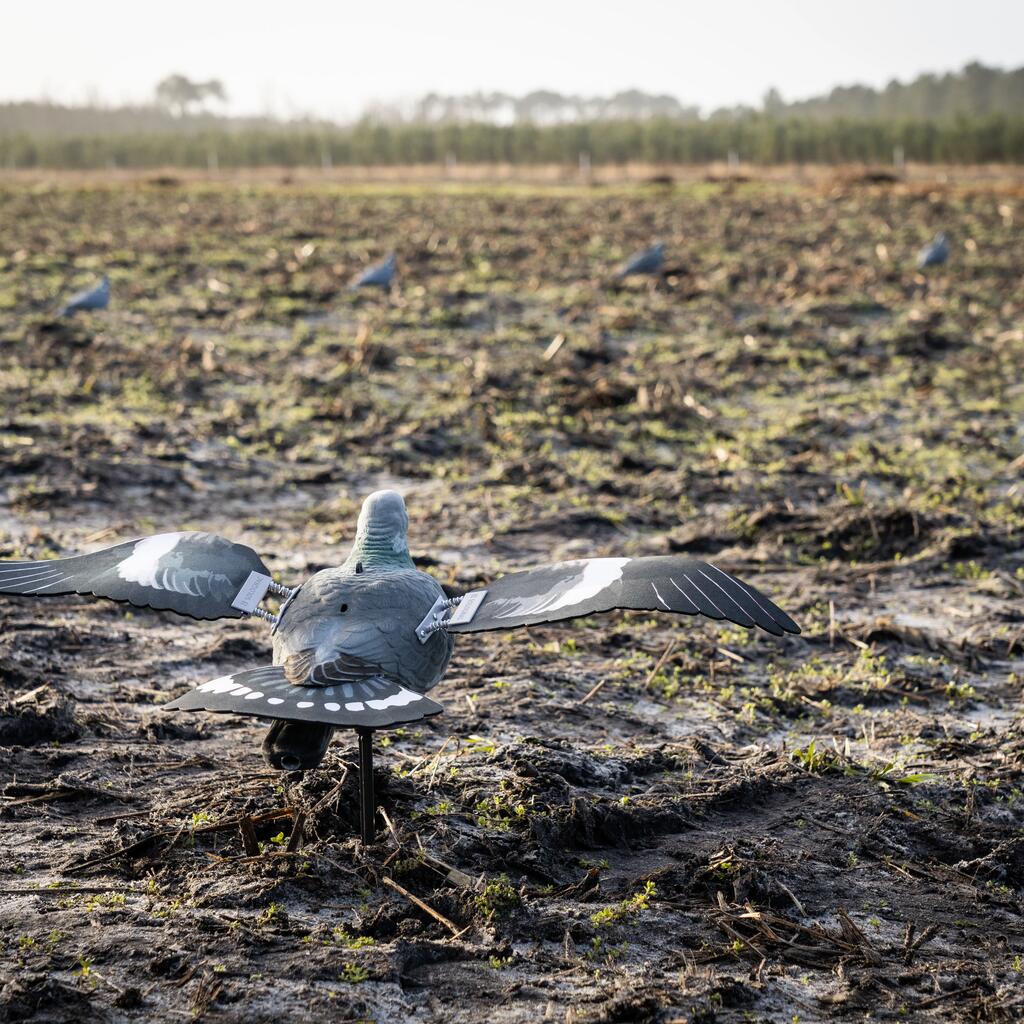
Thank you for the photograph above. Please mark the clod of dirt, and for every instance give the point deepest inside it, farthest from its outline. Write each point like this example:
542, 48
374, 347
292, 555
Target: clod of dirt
40, 716
158, 726
30, 997
876, 533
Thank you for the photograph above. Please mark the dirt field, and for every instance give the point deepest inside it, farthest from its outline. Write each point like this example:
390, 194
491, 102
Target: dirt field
629, 818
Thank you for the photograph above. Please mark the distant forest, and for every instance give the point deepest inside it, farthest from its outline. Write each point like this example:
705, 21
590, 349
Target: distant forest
972, 116
976, 91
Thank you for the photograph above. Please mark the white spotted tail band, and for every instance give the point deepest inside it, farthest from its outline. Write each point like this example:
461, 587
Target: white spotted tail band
373, 703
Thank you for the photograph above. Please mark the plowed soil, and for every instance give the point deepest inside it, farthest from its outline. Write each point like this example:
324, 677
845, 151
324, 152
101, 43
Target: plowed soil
626, 818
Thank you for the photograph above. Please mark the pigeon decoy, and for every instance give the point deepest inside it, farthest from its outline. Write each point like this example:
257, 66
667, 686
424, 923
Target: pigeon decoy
649, 261
96, 297
935, 253
380, 275
359, 645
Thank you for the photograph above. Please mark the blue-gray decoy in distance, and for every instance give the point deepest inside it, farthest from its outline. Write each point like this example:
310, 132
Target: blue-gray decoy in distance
96, 297
380, 275
935, 253
359, 646
650, 261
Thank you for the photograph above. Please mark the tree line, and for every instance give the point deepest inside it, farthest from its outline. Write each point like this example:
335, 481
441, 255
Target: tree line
976, 90
757, 139
971, 116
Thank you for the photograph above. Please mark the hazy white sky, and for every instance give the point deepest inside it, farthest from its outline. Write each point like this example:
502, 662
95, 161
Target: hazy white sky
332, 58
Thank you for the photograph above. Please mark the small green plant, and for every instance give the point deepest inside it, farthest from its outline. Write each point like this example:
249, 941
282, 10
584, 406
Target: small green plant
268, 915
970, 571
340, 936
353, 974
602, 952
497, 899
500, 810
632, 907
169, 909
105, 901
811, 759
84, 972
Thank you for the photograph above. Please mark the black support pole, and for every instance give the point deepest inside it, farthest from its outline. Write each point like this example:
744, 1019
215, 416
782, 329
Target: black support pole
367, 800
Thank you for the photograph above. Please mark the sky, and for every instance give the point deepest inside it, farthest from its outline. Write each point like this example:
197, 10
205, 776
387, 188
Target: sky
331, 58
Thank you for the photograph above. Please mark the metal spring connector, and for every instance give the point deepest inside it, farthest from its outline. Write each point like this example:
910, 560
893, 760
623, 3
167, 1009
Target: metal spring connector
262, 613
435, 618
441, 615
255, 589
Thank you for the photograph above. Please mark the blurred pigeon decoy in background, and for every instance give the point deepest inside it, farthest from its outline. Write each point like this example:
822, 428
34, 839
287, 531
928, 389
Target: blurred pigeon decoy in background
380, 275
359, 645
649, 261
935, 253
96, 297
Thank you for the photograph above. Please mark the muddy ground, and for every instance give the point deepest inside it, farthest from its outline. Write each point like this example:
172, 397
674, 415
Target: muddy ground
627, 818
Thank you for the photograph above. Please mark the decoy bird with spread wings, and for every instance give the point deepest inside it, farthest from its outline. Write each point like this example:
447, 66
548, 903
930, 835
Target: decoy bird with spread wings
359, 646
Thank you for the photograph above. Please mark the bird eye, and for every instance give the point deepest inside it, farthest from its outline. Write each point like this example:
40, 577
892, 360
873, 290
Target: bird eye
343, 609
359, 567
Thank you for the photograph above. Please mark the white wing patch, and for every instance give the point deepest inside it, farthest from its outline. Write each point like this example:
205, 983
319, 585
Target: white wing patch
142, 564
577, 586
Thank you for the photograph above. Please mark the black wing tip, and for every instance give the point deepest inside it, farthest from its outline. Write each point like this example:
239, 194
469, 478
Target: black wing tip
783, 624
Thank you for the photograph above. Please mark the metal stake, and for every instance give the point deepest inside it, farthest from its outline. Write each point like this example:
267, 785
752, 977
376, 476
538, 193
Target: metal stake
367, 801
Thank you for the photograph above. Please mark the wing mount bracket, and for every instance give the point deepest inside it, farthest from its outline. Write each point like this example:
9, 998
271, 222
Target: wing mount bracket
254, 590
448, 611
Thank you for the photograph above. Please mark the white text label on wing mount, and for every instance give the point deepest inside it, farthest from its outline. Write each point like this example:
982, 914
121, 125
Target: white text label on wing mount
253, 591
467, 607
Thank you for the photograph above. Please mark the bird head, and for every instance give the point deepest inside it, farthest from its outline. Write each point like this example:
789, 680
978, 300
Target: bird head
381, 532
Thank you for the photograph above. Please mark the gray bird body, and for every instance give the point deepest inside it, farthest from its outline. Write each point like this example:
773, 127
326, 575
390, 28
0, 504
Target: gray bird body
935, 253
649, 261
354, 626
353, 629
380, 275
96, 297
382, 608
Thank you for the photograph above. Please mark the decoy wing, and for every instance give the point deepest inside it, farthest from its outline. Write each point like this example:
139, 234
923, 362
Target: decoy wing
196, 574
567, 590
368, 701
